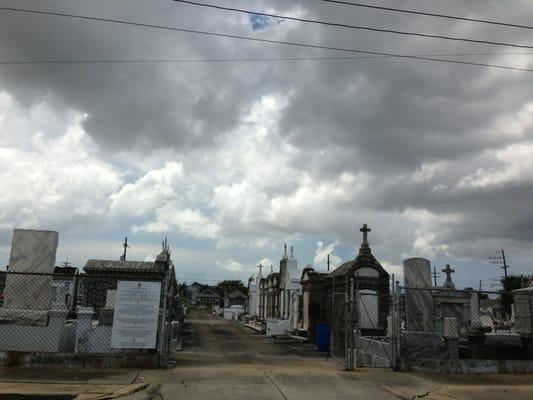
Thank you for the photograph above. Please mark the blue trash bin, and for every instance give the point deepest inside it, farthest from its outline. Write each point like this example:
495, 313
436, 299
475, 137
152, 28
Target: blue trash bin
323, 333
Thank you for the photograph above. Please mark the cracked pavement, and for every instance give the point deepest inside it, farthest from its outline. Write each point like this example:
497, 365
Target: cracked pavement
224, 360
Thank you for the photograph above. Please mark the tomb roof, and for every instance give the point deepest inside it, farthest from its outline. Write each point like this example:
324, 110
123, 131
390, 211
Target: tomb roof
122, 266
364, 259
208, 293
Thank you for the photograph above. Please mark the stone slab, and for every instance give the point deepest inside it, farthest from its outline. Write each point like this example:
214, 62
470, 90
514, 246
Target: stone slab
418, 296
32, 251
24, 317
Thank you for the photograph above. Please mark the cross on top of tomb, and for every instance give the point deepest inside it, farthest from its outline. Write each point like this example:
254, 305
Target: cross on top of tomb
365, 229
448, 271
260, 268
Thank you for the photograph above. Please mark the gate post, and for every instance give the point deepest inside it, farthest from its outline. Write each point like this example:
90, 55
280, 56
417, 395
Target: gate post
347, 325
353, 339
164, 327
397, 326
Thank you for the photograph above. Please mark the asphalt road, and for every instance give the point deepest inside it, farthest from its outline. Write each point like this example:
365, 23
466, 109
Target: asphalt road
224, 360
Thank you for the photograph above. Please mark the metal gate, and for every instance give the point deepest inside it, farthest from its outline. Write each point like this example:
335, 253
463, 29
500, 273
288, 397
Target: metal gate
355, 313
339, 329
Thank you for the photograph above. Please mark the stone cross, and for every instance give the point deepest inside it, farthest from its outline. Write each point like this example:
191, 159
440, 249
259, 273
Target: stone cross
260, 267
365, 229
448, 271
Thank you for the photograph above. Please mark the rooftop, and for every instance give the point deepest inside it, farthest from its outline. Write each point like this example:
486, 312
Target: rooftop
363, 259
121, 266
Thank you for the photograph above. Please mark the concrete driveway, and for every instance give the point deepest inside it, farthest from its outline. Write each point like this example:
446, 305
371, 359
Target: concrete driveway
223, 360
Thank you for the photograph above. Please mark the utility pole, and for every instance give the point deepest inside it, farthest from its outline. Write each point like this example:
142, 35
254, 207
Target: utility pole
123, 258
435, 275
500, 260
505, 266
328, 262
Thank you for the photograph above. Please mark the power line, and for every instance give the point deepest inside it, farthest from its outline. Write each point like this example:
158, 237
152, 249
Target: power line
500, 259
358, 27
520, 256
229, 60
400, 10
249, 38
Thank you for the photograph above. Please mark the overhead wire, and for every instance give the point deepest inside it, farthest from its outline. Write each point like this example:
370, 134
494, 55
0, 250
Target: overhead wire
357, 27
254, 39
430, 14
230, 60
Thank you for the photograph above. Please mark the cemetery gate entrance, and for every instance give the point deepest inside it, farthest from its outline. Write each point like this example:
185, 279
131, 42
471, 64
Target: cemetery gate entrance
360, 334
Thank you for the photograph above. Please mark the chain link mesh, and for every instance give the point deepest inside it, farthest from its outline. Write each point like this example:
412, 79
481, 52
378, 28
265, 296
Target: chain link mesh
442, 323
59, 313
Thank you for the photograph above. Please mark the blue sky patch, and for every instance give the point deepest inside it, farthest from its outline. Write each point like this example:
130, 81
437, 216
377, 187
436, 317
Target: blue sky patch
260, 22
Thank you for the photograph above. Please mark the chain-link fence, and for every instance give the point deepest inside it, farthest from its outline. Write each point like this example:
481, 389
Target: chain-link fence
440, 323
99, 313
372, 329
361, 331
373, 333
339, 327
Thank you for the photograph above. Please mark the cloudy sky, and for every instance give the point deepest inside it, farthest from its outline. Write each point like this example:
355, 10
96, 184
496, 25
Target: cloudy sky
231, 159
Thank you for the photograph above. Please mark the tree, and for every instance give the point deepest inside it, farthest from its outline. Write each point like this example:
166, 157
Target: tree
226, 287
512, 282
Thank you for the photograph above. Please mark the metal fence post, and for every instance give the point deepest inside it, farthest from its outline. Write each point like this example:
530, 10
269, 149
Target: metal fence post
163, 343
352, 326
346, 325
397, 326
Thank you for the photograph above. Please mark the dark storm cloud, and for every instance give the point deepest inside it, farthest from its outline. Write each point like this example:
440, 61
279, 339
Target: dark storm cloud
130, 105
386, 117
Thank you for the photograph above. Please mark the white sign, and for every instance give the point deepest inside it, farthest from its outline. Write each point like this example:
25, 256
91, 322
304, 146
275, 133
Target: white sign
136, 315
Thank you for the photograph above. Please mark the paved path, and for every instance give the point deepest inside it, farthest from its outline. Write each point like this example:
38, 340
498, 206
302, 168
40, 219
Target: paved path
223, 360
66, 383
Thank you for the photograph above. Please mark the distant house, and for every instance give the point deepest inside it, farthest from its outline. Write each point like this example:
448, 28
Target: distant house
235, 298
208, 298
193, 290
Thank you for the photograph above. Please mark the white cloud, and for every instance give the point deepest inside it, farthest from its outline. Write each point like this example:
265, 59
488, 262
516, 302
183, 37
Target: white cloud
186, 221
425, 246
51, 179
321, 256
394, 269
512, 164
230, 265
149, 192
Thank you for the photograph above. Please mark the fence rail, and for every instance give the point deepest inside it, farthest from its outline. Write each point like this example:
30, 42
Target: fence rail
75, 313
378, 329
